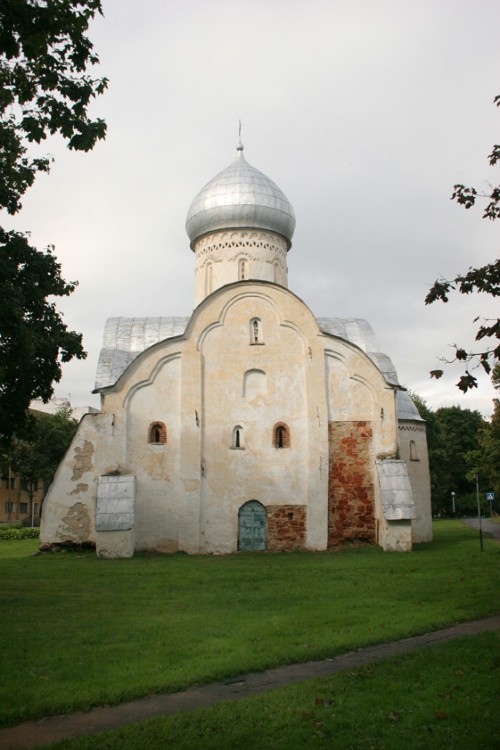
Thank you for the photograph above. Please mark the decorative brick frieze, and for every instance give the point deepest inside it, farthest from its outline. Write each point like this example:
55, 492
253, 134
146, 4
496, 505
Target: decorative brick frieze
216, 241
286, 527
351, 511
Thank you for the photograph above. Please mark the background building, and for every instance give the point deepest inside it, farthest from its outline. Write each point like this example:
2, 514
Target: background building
26, 471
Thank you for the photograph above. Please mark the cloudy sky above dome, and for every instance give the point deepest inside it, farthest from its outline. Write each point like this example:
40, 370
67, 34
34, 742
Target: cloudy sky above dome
365, 113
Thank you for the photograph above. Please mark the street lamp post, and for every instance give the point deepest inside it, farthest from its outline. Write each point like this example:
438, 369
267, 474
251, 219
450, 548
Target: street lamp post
453, 503
479, 513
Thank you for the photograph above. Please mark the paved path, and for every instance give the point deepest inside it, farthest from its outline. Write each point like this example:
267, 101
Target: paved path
34, 733
490, 528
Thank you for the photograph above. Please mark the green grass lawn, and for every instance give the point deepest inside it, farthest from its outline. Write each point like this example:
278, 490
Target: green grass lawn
438, 698
78, 631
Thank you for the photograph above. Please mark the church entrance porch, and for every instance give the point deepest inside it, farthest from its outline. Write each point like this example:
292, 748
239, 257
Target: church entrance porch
252, 527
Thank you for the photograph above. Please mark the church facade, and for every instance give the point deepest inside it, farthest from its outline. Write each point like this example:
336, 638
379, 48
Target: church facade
249, 426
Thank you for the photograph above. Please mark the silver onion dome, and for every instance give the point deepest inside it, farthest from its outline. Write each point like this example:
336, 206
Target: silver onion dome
240, 197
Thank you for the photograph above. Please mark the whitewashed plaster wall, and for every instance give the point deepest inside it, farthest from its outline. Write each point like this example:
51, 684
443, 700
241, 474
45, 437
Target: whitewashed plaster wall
203, 385
228, 256
395, 536
281, 371
155, 466
68, 512
357, 391
413, 451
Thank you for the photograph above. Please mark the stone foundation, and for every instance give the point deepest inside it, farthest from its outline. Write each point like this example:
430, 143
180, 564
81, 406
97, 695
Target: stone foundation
115, 544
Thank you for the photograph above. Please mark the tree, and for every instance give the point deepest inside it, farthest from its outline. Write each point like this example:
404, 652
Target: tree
35, 454
485, 280
458, 433
44, 86
484, 460
453, 434
44, 90
33, 338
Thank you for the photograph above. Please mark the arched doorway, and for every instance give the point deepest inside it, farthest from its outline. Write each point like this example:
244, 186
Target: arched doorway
252, 527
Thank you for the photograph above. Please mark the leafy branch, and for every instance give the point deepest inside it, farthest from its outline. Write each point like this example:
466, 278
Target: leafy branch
45, 89
481, 280
44, 86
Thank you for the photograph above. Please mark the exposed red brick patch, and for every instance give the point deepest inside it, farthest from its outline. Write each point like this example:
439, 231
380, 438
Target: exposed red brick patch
286, 527
351, 512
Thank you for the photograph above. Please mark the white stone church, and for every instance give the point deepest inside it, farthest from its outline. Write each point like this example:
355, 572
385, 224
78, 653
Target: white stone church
251, 425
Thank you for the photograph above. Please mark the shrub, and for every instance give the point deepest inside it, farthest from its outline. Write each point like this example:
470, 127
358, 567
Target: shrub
19, 533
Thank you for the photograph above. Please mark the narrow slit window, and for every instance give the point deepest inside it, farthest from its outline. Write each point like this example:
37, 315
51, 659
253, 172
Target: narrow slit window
256, 331
413, 451
281, 436
237, 440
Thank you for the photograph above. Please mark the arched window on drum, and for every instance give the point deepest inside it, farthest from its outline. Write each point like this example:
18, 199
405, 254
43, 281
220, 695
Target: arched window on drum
413, 451
242, 269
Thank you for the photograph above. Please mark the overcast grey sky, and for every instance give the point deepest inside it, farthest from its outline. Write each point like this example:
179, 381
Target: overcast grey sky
364, 112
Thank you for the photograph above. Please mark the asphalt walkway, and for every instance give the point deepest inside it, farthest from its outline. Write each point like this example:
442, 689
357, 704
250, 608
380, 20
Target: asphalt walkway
35, 733
489, 528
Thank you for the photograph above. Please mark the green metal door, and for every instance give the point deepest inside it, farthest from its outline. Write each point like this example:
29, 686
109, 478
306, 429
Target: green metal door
252, 527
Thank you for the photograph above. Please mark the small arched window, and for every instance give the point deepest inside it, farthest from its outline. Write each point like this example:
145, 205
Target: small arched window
276, 272
413, 451
256, 331
237, 438
281, 435
157, 434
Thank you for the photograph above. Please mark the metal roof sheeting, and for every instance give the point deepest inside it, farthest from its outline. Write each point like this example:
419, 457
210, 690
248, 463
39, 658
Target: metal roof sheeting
126, 338
359, 332
240, 197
